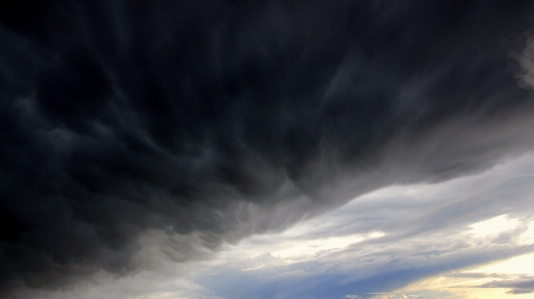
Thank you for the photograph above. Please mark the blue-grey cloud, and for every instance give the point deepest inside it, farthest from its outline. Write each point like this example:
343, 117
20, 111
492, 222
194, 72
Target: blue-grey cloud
409, 250
311, 280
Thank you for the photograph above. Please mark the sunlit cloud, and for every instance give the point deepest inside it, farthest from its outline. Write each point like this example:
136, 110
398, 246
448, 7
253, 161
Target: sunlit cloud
400, 247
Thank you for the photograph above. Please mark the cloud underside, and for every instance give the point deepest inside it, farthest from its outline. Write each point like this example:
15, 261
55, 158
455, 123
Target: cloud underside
190, 125
428, 233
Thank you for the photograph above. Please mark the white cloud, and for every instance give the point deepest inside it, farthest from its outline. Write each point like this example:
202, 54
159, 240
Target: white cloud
493, 226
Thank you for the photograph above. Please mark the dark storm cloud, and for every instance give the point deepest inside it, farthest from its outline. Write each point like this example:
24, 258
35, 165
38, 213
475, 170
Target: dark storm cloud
231, 118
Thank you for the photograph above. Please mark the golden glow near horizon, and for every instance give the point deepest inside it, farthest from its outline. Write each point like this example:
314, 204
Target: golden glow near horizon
473, 283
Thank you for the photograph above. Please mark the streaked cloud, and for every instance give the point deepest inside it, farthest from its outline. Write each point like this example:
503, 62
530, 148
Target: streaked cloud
400, 250
271, 149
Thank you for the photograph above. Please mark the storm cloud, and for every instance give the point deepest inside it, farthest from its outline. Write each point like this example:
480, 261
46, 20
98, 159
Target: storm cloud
203, 122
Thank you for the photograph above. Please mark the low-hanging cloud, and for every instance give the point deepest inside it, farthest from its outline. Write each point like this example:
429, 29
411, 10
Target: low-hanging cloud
206, 122
516, 286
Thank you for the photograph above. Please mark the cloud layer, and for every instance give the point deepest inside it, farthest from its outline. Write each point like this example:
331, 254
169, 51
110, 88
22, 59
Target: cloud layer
200, 123
425, 230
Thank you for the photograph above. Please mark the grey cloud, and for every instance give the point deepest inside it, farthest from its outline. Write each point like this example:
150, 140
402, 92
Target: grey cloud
477, 275
410, 250
517, 286
520, 291
388, 262
227, 119
405, 211
511, 236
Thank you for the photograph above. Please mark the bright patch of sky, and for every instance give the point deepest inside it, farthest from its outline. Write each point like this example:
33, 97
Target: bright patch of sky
467, 238
416, 241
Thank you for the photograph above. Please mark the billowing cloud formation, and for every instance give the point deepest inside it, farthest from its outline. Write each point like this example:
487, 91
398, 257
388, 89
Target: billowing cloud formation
420, 231
208, 121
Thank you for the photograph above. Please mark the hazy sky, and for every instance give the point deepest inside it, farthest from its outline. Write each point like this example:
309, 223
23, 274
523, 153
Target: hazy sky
267, 149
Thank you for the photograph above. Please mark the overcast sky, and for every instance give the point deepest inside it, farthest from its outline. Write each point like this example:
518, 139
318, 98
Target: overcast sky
267, 149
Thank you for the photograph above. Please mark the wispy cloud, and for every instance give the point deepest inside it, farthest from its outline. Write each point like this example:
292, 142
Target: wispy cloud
406, 250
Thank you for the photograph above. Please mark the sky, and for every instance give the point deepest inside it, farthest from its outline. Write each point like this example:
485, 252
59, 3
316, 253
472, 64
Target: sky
272, 149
